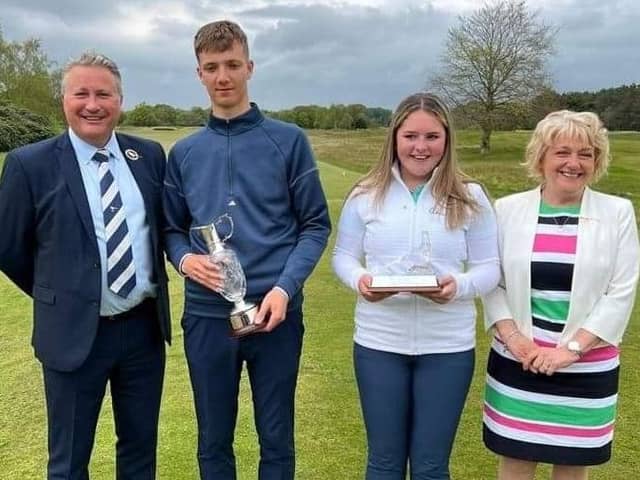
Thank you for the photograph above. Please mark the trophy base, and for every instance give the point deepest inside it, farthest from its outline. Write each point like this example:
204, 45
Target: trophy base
242, 321
404, 283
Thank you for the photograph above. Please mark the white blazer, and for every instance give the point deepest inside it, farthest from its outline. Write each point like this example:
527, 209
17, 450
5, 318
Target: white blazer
605, 271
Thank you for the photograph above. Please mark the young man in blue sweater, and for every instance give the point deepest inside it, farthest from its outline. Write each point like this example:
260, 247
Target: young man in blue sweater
262, 173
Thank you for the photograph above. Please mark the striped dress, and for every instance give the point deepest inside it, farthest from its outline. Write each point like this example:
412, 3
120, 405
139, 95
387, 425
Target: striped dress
566, 418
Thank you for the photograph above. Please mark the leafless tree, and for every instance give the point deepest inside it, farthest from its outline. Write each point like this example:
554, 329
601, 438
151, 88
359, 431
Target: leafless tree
495, 56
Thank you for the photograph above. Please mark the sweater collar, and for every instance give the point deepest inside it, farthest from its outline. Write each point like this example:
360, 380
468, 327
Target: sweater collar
395, 172
236, 125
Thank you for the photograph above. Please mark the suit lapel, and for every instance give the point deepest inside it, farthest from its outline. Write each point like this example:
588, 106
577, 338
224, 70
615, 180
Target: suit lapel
139, 168
70, 169
136, 162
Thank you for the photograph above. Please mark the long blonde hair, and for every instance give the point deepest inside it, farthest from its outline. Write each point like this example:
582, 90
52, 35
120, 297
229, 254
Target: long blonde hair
448, 185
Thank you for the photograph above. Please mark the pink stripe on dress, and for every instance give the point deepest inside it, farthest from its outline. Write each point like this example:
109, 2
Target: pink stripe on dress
555, 243
548, 429
594, 355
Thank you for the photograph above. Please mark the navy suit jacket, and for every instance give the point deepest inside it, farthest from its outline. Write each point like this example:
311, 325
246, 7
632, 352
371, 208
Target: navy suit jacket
48, 246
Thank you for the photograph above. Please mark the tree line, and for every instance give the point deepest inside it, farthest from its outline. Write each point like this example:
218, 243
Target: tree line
491, 73
618, 107
346, 117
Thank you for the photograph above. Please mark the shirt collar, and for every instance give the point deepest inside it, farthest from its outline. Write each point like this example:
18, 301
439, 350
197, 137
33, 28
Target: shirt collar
85, 151
239, 124
395, 171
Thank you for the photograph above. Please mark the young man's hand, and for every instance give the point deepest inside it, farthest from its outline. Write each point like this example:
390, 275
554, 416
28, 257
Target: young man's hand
199, 269
272, 311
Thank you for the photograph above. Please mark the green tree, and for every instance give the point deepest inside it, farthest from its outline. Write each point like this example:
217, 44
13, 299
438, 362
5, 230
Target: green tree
494, 57
19, 126
165, 114
142, 115
379, 117
345, 121
26, 77
194, 117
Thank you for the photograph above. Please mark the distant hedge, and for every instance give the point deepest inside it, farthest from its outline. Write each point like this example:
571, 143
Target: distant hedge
19, 126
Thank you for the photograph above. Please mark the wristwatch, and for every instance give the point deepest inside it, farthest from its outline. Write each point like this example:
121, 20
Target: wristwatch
574, 347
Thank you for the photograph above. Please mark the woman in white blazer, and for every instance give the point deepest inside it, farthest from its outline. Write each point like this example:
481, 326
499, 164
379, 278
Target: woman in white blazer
570, 262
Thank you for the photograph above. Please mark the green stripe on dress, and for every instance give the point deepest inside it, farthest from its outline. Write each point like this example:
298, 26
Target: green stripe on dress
554, 310
571, 210
544, 412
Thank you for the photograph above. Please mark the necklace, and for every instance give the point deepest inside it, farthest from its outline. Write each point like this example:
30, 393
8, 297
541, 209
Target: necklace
563, 223
566, 213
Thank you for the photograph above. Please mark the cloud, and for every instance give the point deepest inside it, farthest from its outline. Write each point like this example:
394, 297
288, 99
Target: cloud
597, 44
355, 55
334, 51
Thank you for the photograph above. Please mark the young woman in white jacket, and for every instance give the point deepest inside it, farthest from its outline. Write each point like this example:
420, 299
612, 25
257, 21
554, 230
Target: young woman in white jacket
414, 351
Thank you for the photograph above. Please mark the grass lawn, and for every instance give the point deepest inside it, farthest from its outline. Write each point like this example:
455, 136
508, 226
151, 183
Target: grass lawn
329, 435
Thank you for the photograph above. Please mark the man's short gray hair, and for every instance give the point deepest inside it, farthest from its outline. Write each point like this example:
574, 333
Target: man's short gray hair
92, 59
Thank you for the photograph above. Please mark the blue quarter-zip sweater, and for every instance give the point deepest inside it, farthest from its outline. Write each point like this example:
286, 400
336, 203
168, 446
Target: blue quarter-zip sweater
262, 173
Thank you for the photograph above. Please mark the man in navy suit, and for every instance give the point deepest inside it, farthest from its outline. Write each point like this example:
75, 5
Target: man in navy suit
81, 221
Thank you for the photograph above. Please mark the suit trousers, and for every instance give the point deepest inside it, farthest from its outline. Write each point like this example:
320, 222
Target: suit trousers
411, 406
128, 354
215, 362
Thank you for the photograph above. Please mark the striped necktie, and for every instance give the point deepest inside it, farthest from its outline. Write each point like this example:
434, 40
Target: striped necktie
121, 274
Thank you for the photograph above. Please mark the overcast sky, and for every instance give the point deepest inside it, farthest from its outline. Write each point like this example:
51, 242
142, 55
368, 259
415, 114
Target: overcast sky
315, 52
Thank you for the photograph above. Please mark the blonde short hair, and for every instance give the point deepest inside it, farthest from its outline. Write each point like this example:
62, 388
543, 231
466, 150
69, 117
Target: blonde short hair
585, 127
92, 59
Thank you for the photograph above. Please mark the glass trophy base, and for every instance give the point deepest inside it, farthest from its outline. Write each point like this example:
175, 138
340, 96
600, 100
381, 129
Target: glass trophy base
242, 321
404, 283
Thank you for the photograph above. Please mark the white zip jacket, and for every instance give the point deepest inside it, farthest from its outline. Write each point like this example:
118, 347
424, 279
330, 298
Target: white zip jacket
368, 240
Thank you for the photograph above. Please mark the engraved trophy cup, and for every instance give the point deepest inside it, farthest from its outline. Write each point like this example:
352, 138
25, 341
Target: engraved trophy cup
234, 287
412, 272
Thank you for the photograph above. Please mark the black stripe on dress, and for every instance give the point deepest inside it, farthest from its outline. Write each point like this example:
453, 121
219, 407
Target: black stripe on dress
560, 220
534, 452
551, 276
547, 325
577, 385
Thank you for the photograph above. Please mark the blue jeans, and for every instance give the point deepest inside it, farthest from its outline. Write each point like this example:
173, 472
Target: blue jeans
411, 406
215, 364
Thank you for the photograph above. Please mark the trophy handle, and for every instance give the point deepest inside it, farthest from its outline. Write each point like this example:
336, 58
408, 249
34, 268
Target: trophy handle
228, 218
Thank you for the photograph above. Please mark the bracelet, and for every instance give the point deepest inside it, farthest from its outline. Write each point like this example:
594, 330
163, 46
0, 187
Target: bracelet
514, 333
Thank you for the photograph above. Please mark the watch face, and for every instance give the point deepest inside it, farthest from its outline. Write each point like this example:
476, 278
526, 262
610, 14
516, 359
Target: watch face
574, 346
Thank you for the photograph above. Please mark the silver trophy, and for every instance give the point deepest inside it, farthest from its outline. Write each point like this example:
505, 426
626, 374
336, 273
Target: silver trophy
234, 287
412, 272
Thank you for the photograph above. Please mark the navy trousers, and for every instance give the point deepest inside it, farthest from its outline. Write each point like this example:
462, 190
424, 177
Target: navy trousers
129, 354
411, 406
215, 364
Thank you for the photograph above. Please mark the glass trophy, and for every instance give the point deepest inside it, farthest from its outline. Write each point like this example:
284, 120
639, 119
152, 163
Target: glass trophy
234, 287
413, 272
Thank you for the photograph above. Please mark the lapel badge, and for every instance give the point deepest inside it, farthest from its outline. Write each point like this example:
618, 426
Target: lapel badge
131, 154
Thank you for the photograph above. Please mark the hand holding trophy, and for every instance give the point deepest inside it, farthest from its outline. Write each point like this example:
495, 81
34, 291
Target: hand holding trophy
234, 287
411, 273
